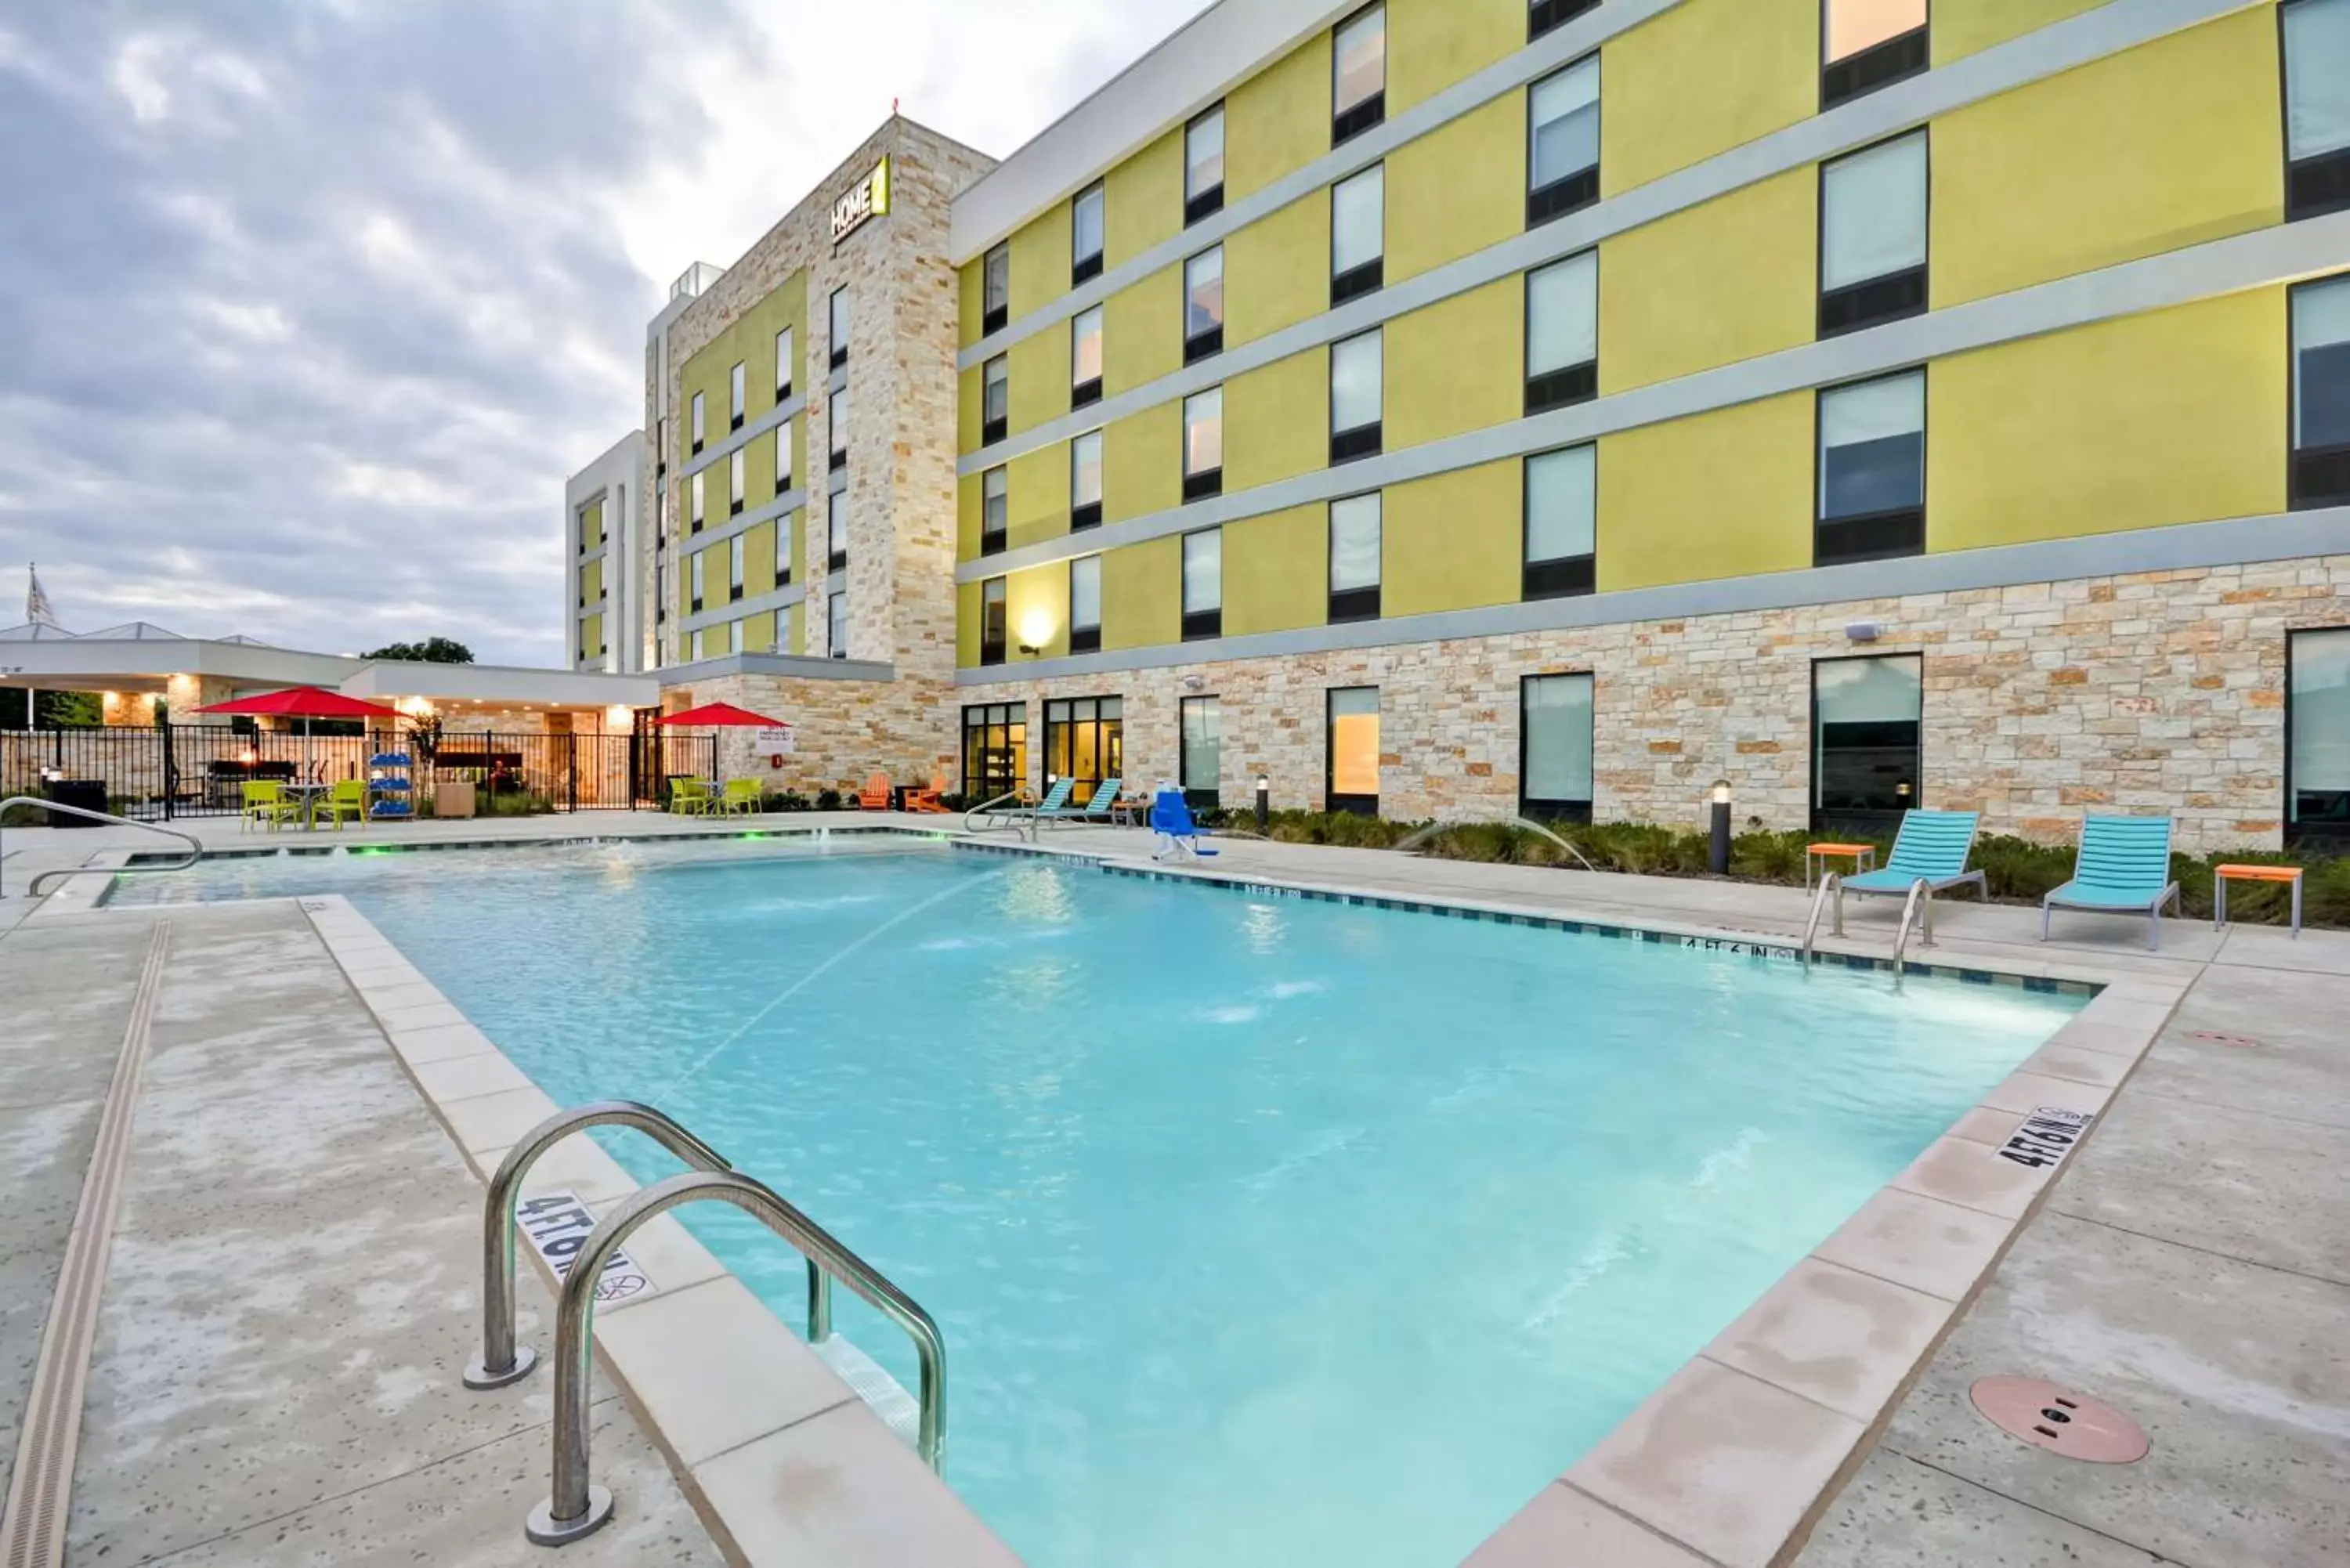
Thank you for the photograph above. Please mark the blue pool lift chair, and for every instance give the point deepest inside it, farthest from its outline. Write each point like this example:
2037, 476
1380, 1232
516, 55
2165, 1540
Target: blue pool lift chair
2123, 867
1932, 847
1179, 834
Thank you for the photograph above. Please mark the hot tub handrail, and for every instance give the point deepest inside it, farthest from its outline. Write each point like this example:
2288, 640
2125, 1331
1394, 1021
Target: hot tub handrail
1831, 893
573, 1506
1919, 904
32, 889
971, 823
502, 1361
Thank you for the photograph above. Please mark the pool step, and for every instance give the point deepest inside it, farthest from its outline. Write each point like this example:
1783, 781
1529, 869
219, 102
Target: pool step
872, 1383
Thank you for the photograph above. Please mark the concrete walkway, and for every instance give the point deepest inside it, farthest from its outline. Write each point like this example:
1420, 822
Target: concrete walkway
293, 1284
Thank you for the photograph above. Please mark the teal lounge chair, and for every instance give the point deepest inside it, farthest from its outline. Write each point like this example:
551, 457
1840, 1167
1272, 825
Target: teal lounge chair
2123, 867
1094, 810
1932, 848
1027, 819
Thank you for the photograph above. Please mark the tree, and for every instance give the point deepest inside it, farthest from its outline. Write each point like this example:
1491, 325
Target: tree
431, 650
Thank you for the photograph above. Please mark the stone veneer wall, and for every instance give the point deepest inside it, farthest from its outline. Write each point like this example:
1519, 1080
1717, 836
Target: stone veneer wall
2156, 691
843, 731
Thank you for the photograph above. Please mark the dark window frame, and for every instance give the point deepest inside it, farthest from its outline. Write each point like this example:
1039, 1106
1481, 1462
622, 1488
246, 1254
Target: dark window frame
1568, 193
1553, 576
2327, 832
1356, 444
1109, 742
2315, 477
1873, 301
1546, 808
1084, 639
1547, 16
1087, 266
1211, 201
994, 319
992, 650
1198, 799
1001, 759
1355, 805
1896, 533
1345, 605
1358, 281
1898, 58
995, 429
838, 348
1348, 124
993, 541
1867, 820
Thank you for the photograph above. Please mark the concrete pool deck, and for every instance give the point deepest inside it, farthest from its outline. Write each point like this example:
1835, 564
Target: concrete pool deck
2188, 1264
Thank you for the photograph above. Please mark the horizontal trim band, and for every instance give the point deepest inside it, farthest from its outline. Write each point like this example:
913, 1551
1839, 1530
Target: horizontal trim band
2282, 253
2277, 536
757, 604
599, 606
2111, 29
789, 666
783, 505
736, 441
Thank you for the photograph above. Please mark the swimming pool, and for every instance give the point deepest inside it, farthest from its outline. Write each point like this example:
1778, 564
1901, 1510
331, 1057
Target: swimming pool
1262, 1231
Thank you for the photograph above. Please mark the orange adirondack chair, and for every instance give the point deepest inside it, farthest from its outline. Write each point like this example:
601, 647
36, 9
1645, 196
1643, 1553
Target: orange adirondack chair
874, 795
926, 801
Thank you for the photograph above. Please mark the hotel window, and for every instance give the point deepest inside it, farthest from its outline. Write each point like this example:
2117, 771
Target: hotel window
733, 637
1562, 333
1866, 717
1351, 762
1873, 235
1358, 74
1563, 131
836, 417
1355, 558
2317, 721
1542, 15
1355, 396
995, 284
1203, 166
1087, 229
995, 400
735, 396
1561, 508
1200, 758
784, 550
1554, 747
697, 653
1204, 304
1358, 233
1203, 584
783, 364
1869, 43
995, 750
1872, 485
661, 590
1203, 445
783, 457
1084, 743
695, 491
836, 534
697, 421
1086, 482
734, 463
835, 629
735, 568
838, 321
2318, 106
2321, 393
994, 509
1085, 603
992, 602
1086, 357
694, 565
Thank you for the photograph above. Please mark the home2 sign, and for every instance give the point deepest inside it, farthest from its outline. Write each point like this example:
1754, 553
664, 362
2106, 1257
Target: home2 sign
868, 198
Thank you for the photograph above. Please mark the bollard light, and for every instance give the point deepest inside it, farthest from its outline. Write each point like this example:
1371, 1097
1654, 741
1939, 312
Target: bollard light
1264, 804
1718, 860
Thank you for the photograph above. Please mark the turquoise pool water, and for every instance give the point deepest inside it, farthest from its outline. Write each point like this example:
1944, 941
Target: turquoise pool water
1263, 1231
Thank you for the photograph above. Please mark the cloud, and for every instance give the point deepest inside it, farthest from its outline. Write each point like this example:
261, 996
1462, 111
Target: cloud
312, 305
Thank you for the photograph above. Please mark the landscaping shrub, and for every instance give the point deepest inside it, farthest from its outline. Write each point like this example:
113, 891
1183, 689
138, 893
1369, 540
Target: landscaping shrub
790, 800
827, 800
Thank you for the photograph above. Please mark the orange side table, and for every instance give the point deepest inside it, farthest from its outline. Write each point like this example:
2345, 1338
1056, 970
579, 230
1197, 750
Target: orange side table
2223, 875
1863, 857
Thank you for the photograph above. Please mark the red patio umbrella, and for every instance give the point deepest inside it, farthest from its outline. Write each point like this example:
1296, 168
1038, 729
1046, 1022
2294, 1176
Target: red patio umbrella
306, 703
725, 713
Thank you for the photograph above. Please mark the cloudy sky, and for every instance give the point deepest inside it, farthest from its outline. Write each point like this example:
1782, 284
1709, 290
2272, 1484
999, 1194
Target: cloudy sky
310, 305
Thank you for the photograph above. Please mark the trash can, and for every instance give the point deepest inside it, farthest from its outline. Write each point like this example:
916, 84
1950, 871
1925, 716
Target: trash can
87, 793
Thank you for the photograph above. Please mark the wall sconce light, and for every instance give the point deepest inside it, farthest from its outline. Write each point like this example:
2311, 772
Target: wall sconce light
1862, 630
1035, 631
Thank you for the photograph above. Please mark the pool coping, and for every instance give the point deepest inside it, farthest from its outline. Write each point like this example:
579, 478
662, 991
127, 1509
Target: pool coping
1728, 1464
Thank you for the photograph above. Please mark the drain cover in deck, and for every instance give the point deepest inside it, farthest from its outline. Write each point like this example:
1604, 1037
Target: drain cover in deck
2063, 1420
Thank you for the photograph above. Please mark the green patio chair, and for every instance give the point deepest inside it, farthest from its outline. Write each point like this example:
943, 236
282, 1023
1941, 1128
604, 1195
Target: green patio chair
2123, 867
689, 797
265, 802
741, 797
347, 798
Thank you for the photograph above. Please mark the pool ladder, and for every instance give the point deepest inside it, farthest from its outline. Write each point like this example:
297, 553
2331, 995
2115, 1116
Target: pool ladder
574, 1507
1918, 906
34, 888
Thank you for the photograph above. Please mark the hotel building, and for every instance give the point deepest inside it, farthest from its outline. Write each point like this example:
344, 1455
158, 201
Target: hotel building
1467, 406
602, 598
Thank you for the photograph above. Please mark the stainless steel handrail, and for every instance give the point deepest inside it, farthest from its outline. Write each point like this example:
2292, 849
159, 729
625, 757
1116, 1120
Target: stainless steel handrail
502, 1361
33, 889
1920, 898
1831, 887
573, 1506
970, 818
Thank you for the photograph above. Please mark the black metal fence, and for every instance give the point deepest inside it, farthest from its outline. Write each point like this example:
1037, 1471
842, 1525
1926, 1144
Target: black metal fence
166, 770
